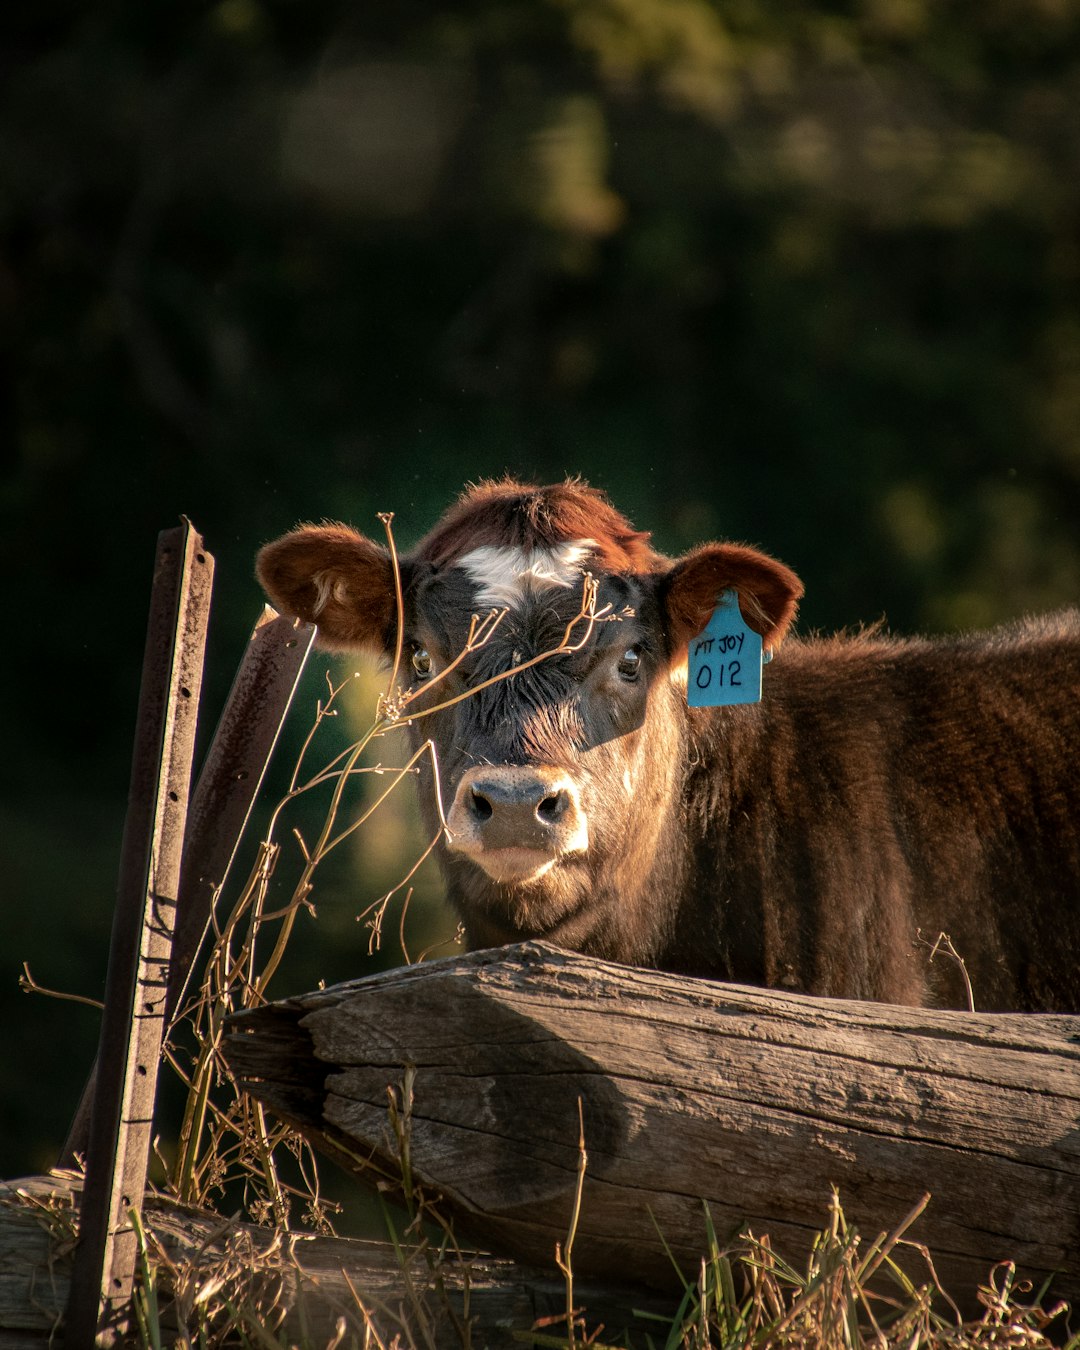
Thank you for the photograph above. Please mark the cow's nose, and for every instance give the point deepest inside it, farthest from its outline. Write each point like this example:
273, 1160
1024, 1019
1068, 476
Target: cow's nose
523, 812
517, 807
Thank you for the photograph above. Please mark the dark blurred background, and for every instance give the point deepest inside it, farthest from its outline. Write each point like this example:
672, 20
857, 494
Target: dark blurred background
804, 275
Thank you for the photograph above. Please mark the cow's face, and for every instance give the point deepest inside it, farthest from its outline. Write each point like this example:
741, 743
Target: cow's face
560, 736
542, 771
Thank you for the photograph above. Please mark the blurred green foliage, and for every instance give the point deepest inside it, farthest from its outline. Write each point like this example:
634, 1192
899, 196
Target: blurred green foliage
804, 275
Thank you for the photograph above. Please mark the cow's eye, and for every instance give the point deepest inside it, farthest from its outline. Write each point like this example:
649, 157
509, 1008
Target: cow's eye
421, 662
629, 663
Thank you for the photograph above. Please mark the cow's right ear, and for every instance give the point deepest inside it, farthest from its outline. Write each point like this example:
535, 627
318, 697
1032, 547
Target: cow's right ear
769, 592
336, 578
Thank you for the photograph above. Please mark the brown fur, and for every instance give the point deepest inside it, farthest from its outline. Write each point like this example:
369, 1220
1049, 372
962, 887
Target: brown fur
332, 576
882, 786
508, 512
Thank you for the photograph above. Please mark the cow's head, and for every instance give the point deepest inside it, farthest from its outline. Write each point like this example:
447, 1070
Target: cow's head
561, 780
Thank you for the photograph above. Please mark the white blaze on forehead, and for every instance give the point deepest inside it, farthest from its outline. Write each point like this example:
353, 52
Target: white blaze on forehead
504, 573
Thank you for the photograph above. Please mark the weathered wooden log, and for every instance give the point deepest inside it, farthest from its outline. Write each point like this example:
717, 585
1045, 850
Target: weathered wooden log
753, 1100
305, 1280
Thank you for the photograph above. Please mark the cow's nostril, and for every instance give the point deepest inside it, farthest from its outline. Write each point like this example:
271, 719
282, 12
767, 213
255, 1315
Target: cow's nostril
480, 806
553, 808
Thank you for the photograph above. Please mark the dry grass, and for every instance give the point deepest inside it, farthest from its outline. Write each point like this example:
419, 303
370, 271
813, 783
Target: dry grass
849, 1295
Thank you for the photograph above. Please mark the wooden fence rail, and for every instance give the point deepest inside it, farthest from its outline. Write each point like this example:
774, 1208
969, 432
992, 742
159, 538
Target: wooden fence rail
753, 1100
305, 1280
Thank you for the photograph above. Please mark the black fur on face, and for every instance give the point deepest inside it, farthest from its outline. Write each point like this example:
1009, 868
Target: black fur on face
606, 716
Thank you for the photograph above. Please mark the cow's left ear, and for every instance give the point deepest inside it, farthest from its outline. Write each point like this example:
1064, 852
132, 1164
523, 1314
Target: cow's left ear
769, 592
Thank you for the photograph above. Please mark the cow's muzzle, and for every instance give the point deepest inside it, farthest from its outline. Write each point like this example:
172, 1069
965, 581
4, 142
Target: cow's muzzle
517, 821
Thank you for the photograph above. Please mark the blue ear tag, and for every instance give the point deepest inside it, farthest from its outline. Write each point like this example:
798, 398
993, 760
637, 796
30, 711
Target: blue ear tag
723, 664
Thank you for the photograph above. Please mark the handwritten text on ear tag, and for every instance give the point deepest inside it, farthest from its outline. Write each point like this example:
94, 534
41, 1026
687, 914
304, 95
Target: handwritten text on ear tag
724, 662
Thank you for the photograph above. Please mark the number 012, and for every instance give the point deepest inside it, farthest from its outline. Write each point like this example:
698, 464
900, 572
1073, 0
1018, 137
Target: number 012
729, 674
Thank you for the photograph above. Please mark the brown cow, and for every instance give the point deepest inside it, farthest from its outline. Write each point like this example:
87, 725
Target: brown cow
881, 787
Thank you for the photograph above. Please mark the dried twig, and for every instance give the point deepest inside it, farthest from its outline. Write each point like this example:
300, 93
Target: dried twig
943, 942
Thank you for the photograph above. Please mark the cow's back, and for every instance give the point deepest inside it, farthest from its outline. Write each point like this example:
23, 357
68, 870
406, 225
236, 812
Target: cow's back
897, 789
989, 785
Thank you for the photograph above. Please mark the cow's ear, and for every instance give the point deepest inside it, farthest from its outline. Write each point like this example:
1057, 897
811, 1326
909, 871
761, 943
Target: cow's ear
336, 578
768, 592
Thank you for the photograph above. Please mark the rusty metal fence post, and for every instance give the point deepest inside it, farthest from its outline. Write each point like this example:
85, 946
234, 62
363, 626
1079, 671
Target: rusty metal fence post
169, 878
231, 776
134, 1014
